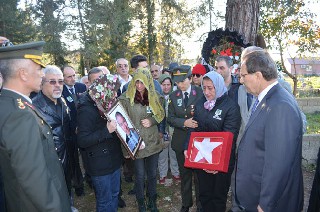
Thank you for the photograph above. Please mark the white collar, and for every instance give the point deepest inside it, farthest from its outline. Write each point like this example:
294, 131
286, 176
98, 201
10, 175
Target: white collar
266, 90
24, 96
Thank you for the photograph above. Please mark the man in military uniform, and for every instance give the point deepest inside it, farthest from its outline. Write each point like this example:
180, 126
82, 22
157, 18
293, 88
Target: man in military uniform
32, 173
180, 111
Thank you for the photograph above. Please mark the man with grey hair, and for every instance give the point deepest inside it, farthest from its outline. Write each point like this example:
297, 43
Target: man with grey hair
268, 171
55, 111
85, 81
122, 66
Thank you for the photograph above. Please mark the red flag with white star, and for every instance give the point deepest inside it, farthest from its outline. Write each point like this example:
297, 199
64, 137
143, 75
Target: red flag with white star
209, 150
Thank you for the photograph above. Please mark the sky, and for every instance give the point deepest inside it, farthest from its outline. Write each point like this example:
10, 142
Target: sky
194, 44
193, 47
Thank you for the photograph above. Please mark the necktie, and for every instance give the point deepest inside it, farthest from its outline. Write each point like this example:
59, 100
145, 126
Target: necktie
186, 98
73, 95
71, 90
254, 107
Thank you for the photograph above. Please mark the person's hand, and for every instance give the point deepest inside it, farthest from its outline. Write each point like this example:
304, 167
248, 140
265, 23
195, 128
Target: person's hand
211, 172
190, 123
146, 123
185, 152
259, 209
161, 135
111, 126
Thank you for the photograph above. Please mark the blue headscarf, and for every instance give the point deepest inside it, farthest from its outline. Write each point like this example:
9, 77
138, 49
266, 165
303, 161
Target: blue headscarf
218, 83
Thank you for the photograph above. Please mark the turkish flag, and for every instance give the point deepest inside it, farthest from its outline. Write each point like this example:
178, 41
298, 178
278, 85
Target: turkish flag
209, 150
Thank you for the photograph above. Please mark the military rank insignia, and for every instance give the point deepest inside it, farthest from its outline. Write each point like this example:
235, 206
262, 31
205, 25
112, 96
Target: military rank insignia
21, 104
179, 102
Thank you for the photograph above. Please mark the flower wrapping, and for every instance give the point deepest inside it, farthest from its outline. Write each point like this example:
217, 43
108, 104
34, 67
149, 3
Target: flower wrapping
103, 91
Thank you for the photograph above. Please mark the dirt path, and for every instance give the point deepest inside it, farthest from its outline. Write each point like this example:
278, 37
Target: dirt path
169, 196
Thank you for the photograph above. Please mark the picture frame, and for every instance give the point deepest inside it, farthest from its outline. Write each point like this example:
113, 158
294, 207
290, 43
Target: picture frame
209, 151
126, 131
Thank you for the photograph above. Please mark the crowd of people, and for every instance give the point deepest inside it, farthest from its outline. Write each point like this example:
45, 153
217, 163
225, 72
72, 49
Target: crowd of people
49, 121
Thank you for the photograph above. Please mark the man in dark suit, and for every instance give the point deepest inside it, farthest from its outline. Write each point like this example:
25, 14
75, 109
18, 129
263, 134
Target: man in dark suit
32, 173
180, 116
268, 173
132, 137
72, 91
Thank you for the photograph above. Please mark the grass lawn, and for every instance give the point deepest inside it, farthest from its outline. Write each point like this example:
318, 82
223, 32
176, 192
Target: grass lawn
313, 123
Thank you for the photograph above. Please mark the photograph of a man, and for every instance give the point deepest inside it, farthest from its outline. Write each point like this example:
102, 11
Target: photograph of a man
131, 135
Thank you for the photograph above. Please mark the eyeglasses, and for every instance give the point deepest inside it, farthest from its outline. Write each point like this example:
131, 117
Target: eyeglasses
54, 82
197, 75
122, 65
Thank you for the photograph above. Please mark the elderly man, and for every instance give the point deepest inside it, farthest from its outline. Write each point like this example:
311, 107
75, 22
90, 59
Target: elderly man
84, 80
56, 113
268, 173
32, 173
155, 71
122, 67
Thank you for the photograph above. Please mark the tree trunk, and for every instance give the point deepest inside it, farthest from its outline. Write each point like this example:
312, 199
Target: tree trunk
243, 16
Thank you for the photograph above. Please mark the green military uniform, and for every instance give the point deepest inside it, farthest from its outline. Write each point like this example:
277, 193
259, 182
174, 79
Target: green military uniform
178, 113
32, 173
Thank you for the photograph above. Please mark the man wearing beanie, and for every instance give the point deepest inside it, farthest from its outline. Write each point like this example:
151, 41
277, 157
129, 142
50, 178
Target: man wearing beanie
197, 73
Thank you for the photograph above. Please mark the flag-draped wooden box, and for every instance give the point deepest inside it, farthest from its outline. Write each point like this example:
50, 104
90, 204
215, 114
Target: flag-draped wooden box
209, 150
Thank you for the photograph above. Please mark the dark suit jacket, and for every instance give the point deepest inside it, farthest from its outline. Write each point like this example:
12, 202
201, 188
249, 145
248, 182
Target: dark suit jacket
178, 113
269, 156
79, 90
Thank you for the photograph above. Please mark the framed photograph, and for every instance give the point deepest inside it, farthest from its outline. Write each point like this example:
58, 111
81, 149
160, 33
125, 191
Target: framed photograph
209, 150
126, 131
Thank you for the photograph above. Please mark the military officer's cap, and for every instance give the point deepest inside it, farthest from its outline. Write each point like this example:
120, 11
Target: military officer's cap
32, 51
180, 73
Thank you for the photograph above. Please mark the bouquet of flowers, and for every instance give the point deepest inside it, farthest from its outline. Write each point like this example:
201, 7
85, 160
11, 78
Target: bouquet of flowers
226, 49
103, 91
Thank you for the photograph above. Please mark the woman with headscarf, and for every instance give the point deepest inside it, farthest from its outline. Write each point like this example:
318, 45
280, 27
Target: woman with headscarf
145, 108
215, 112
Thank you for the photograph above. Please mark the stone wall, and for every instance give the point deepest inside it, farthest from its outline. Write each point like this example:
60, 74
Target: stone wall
310, 148
309, 105
311, 142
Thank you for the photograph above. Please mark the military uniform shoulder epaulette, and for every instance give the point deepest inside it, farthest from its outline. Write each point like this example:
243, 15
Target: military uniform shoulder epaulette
20, 104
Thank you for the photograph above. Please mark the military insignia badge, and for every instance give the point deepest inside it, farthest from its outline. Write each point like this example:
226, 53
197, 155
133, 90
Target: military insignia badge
69, 98
21, 104
179, 102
